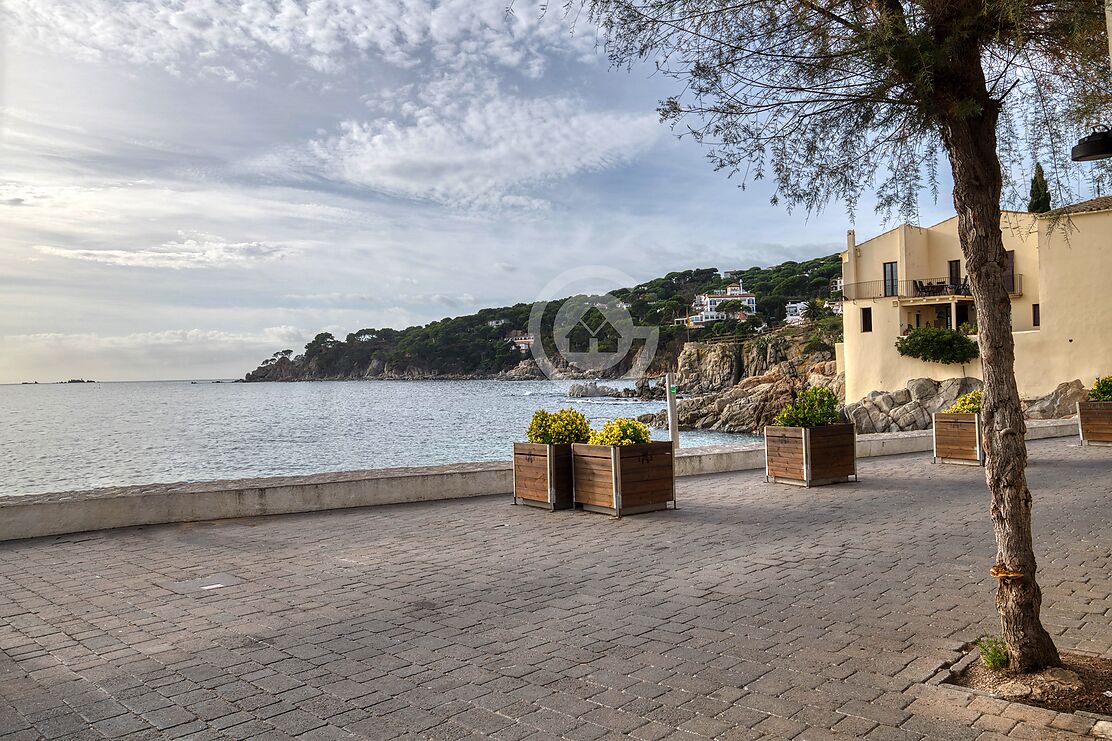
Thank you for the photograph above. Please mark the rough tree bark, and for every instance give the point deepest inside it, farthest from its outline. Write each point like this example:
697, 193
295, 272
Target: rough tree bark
970, 141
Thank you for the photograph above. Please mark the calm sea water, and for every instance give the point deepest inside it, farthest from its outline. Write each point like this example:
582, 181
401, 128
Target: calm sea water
62, 437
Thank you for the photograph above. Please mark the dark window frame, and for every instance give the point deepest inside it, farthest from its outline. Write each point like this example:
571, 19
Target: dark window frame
891, 282
954, 267
1036, 315
867, 319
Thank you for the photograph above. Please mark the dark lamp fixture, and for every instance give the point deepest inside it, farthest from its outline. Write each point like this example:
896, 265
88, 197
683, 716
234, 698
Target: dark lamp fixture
1095, 146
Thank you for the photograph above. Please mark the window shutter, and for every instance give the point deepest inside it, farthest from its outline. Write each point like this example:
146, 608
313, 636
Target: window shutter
1009, 272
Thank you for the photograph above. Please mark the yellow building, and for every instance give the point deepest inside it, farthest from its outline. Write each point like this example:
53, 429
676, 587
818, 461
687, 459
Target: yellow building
1060, 283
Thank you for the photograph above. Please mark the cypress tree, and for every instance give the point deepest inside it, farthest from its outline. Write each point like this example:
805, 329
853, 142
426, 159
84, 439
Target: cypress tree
1040, 192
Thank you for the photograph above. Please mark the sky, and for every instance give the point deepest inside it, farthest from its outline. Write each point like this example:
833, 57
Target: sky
186, 188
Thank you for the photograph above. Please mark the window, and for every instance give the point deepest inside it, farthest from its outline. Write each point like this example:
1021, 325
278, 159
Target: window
955, 272
1035, 318
866, 320
1009, 272
890, 279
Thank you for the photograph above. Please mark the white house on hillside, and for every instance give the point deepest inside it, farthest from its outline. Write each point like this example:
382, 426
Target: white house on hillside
794, 312
733, 292
707, 311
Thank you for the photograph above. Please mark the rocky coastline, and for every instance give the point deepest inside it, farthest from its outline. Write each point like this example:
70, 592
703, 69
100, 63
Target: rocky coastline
740, 388
285, 370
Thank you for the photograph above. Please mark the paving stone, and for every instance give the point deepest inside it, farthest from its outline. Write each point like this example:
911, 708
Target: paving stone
754, 610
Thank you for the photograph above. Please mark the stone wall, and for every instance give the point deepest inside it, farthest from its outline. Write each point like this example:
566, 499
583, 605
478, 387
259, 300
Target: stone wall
908, 408
911, 408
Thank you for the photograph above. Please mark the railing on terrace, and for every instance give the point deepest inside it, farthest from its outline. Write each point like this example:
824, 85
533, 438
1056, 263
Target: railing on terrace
920, 288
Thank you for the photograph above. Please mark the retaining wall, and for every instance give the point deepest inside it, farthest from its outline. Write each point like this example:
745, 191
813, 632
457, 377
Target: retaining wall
97, 509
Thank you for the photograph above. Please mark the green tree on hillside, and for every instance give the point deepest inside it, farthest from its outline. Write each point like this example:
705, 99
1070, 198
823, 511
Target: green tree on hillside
731, 306
815, 309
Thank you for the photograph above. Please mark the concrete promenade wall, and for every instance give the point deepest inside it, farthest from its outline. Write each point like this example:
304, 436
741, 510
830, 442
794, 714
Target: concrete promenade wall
97, 509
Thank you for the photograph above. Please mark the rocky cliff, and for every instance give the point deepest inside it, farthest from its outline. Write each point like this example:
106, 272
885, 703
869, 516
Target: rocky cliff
741, 387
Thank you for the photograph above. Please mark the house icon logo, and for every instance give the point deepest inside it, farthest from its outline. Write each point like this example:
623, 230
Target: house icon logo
590, 331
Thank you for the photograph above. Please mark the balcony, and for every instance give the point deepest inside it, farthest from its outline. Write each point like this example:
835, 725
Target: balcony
923, 288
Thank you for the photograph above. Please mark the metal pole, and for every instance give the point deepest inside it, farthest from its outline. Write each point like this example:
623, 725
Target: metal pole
673, 418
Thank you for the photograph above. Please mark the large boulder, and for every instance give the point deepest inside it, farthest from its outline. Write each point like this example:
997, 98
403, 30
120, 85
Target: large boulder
704, 368
949, 391
908, 408
922, 389
911, 416
592, 389
911, 408
1059, 403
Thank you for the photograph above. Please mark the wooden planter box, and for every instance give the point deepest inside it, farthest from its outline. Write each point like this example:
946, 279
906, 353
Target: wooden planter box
811, 456
1095, 421
957, 439
624, 480
542, 475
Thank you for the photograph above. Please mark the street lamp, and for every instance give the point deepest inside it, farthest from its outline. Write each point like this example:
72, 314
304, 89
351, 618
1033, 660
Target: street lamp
1095, 146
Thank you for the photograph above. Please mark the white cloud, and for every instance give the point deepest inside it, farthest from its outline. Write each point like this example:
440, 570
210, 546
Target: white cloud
475, 148
191, 251
212, 37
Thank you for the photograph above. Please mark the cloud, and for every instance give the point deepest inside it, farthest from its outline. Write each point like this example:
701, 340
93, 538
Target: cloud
224, 39
479, 150
173, 354
14, 202
198, 251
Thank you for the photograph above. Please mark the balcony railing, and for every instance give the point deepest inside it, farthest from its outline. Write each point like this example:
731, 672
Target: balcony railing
921, 288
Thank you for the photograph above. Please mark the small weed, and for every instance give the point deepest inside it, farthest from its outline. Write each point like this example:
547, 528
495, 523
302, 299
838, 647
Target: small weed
994, 652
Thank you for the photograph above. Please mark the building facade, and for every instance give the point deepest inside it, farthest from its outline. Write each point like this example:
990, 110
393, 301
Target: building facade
793, 312
706, 306
1059, 280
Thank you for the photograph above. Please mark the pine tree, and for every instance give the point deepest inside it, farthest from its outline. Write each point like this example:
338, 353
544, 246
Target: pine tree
1040, 192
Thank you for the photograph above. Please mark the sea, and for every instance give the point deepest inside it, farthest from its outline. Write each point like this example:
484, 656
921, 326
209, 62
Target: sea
65, 437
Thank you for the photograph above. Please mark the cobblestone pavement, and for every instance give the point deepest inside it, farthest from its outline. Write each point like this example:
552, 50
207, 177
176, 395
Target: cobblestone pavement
754, 611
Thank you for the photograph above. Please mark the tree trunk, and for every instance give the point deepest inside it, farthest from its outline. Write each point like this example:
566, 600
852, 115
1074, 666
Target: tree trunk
970, 142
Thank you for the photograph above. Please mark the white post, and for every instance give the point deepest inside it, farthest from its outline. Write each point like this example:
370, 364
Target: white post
1108, 20
673, 418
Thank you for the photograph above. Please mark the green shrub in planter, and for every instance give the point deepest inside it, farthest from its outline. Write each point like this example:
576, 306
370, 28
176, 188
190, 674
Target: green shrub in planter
621, 431
1101, 390
814, 407
937, 345
807, 445
968, 404
558, 428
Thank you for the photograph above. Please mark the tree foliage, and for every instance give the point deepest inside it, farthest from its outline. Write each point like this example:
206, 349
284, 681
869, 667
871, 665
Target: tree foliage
815, 309
834, 99
937, 345
1039, 202
469, 345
